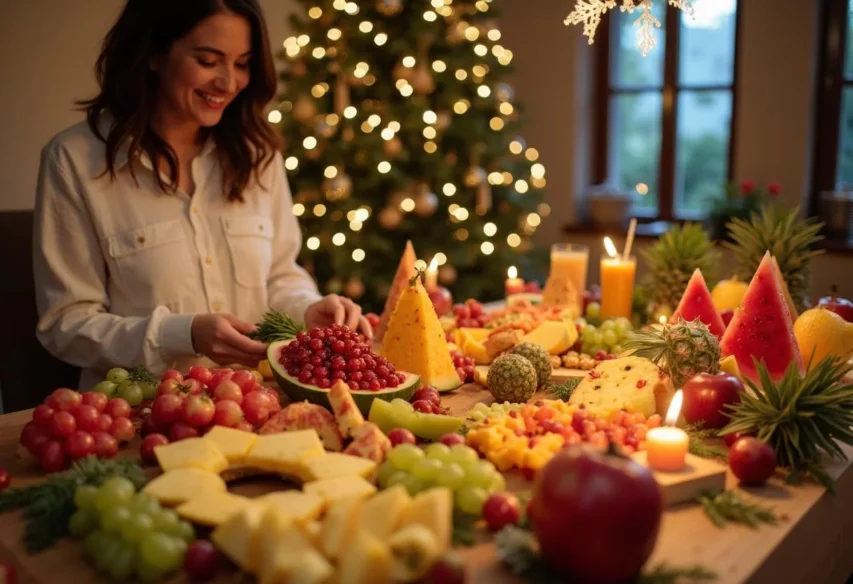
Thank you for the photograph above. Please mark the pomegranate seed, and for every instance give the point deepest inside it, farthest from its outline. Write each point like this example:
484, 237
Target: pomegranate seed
641, 383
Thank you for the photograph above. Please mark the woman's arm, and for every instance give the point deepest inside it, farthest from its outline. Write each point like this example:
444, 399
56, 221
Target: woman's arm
70, 281
290, 288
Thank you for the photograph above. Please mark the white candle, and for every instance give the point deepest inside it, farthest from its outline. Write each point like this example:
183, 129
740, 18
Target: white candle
667, 445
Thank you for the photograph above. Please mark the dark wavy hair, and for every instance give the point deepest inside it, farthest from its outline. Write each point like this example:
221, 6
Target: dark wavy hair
245, 143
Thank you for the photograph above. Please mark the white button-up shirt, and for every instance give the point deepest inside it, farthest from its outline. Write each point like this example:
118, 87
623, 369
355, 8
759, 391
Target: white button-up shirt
121, 268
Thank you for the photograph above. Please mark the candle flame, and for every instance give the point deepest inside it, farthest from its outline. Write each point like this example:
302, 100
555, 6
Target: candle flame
674, 408
608, 245
512, 273
662, 319
433, 265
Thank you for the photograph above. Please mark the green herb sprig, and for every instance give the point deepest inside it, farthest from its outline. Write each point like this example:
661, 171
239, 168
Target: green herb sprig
47, 506
698, 445
275, 326
141, 375
464, 529
724, 506
563, 391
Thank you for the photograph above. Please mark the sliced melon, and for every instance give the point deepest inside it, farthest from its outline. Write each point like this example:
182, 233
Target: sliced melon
297, 391
426, 426
555, 336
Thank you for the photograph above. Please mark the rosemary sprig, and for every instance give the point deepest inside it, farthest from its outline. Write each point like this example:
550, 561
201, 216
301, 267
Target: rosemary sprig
698, 445
275, 326
518, 550
141, 375
563, 391
464, 529
47, 506
724, 506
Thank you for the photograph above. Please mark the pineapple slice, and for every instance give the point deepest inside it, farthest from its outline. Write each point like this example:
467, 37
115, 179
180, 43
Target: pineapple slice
366, 560
285, 452
297, 505
340, 526
182, 484
309, 568
335, 464
346, 412
369, 442
381, 513
192, 452
233, 443
234, 537
433, 509
332, 490
213, 508
285, 549
312, 530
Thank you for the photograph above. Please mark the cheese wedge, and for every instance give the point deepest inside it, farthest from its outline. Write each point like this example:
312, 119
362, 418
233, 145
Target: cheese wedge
264, 544
309, 568
433, 509
191, 452
182, 484
381, 514
285, 452
234, 536
213, 508
233, 443
286, 549
336, 464
365, 560
332, 490
340, 526
297, 505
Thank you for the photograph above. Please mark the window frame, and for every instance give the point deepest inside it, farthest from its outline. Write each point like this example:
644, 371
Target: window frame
669, 91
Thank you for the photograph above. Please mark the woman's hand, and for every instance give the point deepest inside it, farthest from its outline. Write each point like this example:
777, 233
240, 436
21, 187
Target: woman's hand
334, 309
221, 337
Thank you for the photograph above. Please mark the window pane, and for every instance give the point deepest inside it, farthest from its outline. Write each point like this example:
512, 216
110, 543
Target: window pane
628, 66
848, 56
702, 148
707, 43
635, 143
845, 140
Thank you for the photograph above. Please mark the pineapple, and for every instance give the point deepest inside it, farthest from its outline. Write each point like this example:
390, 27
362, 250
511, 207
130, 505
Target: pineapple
672, 260
512, 378
785, 236
682, 349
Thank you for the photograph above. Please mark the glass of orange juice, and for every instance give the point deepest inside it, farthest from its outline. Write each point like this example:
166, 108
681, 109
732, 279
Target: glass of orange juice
569, 261
617, 286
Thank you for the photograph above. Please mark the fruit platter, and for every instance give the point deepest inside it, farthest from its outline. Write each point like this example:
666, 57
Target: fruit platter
535, 441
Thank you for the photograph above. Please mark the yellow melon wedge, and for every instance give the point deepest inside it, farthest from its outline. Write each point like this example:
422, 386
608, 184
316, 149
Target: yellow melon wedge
405, 272
729, 365
556, 337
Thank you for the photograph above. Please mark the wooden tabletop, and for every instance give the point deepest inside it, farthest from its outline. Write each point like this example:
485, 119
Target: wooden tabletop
810, 545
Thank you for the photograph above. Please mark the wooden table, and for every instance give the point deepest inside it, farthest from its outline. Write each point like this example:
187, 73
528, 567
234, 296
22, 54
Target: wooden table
812, 544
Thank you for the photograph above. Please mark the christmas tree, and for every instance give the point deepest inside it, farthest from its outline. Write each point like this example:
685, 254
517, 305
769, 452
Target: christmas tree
398, 125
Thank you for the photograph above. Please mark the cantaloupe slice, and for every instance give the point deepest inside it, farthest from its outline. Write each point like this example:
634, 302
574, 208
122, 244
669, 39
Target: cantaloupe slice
405, 272
555, 336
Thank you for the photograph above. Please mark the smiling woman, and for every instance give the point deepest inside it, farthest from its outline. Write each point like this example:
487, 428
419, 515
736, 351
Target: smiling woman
164, 223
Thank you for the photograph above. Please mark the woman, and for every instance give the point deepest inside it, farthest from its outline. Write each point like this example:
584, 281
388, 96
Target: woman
163, 223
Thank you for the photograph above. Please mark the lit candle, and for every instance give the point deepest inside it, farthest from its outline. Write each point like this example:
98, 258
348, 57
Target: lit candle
666, 445
432, 275
513, 284
617, 283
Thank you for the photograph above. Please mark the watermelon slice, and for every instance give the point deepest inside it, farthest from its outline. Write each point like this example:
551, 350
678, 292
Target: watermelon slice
697, 303
405, 272
761, 327
792, 310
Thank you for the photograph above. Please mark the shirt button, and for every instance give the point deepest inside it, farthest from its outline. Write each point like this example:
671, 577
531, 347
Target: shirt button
140, 240
208, 260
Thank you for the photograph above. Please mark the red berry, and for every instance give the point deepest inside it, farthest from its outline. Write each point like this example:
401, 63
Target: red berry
244, 379
452, 438
427, 393
450, 569
256, 407
500, 510
730, 439
401, 436
149, 443
202, 560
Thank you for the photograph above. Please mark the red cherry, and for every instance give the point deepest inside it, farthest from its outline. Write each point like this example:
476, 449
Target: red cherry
500, 510
401, 436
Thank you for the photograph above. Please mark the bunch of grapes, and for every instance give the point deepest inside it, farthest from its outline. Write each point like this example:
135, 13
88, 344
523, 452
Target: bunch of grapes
120, 383
449, 463
464, 366
470, 314
607, 338
70, 426
496, 410
128, 534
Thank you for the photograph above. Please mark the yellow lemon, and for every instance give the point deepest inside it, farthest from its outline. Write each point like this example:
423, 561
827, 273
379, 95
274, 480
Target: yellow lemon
265, 369
825, 333
727, 294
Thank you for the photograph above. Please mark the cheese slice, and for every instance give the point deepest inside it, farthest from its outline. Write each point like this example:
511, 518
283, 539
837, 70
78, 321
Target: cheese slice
433, 509
297, 505
633, 384
365, 560
296, 562
182, 484
233, 443
340, 526
213, 508
332, 490
283, 546
285, 452
336, 464
191, 452
234, 536
265, 540
381, 514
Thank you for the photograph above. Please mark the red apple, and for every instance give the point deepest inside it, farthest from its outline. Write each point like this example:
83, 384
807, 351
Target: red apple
752, 461
706, 394
733, 437
442, 301
840, 306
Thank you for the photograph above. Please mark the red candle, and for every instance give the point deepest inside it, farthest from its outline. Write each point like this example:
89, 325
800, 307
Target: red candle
513, 284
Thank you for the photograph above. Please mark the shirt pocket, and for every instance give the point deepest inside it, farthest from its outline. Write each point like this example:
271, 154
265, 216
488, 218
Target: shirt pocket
249, 240
153, 263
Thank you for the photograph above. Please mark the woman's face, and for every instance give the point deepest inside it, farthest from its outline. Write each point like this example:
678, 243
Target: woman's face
205, 70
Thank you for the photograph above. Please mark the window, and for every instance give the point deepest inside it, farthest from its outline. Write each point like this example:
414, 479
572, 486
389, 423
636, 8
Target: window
834, 130
667, 126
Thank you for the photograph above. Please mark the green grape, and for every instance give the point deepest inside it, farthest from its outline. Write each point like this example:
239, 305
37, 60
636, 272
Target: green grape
85, 496
149, 390
588, 332
136, 526
438, 451
105, 554
498, 483
94, 541
165, 520
427, 469
114, 491
609, 338
161, 552
397, 478
593, 310
617, 349
117, 375
404, 456
413, 484
624, 324
108, 388
464, 456
585, 348
130, 392
123, 562
148, 575
83, 522
114, 518
598, 339
607, 325
452, 475
477, 416
386, 469
471, 499
143, 503
480, 474
184, 531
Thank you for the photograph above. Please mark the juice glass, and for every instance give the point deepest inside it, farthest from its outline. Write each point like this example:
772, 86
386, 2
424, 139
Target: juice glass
617, 286
569, 262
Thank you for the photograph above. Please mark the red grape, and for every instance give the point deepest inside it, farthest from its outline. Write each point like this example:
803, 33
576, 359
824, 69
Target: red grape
52, 457
427, 393
95, 399
117, 408
180, 431
244, 426
256, 407
62, 424
63, 399
423, 406
245, 380
104, 422
87, 417
106, 446
79, 445
401, 436
500, 510
149, 443
202, 560
201, 374
42, 415
122, 429
33, 438
229, 390
166, 409
150, 426
198, 410
172, 374
5, 481
450, 569
451, 439
227, 413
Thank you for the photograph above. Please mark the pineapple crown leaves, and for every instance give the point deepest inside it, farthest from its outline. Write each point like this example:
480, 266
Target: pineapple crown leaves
799, 415
673, 258
786, 236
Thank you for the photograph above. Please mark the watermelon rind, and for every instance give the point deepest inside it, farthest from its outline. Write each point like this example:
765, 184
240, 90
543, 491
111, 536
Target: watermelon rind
297, 391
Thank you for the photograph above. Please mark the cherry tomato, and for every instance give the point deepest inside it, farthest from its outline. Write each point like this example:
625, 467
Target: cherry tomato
198, 411
52, 458
193, 386
62, 424
219, 376
122, 429
33, 438
202, 560
104, 422
63, 399
95, 399
170, 386
274, 400
87, 417
150, 426
106, 446
42, 415
180, 431
229, 390
149, 443
227, 413
201, 374
500, 510
5, 479
172, 374
244, 379
166, 409
79, 445
117, 408
256, 407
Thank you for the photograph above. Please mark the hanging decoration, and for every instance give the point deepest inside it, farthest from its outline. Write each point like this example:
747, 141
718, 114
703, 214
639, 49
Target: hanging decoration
589, 13
339, 187
304, 110
390, 218
389, 7
425, 202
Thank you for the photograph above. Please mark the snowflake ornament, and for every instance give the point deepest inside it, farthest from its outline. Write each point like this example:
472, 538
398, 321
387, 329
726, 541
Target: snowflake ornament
589, 13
